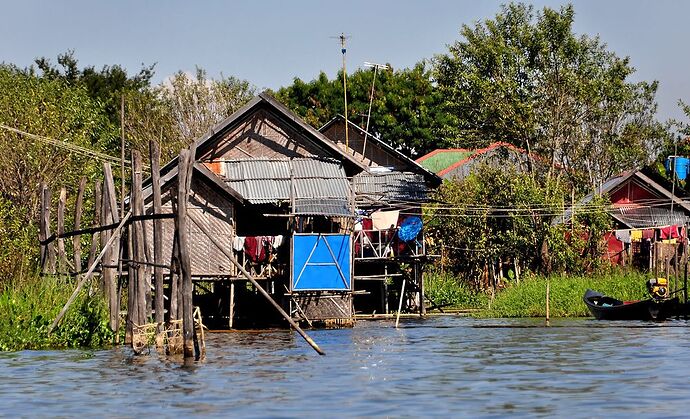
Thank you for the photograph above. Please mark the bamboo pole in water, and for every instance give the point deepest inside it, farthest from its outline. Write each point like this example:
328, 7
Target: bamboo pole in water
548, 290
402, 295
154, 153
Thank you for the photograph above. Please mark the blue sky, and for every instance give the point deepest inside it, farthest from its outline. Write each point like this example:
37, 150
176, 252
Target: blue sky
269, 42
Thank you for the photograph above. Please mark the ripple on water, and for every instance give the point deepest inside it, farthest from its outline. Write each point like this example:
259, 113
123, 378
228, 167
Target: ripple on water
437, 367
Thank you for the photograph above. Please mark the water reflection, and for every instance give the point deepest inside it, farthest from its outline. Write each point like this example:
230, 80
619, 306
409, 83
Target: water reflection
443, 367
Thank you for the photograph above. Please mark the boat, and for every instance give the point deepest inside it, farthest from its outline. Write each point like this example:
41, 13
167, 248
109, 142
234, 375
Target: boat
603, 307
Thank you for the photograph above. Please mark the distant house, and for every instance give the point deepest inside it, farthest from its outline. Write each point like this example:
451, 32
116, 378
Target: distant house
458, 163
649, 217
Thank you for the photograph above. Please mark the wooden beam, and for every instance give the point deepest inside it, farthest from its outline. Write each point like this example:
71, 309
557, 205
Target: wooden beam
62, 257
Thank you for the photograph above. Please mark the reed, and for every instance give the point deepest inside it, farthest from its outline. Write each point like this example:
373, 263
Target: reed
28, 307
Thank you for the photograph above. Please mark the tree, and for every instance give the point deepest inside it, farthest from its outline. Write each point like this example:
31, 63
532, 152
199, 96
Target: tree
405, 108
526, 78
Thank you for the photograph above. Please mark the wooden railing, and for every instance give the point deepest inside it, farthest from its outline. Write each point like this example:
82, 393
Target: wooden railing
385, 244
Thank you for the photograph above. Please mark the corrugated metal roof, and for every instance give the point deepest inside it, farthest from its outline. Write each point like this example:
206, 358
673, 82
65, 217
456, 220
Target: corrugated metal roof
648, 217
319, 186
391, 186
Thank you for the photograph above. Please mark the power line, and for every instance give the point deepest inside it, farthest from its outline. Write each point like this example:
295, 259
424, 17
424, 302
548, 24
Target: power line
68, 146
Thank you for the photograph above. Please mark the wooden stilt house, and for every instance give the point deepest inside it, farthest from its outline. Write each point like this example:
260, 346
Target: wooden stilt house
276, 193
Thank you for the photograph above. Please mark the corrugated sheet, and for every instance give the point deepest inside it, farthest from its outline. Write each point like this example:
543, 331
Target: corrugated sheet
390, 186
649, 217
319, 186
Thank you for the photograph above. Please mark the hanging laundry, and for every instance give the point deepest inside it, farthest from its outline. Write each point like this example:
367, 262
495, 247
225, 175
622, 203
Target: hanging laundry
238, 243
648, 234
623, 235
276, 241
669, 232
255, 249
383, 220
635, 235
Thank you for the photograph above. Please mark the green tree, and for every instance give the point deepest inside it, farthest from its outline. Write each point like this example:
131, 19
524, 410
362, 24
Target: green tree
405, 112
526, 78
48, 109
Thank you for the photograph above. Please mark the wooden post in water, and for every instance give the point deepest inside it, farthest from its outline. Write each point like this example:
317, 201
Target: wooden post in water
402, 296
154, 153
183, 175
76, 240
62, 257
137, 238
420, 277
111, 216
548, 289
232, 304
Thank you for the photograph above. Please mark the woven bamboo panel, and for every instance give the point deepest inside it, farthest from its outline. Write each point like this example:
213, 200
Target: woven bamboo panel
325, 307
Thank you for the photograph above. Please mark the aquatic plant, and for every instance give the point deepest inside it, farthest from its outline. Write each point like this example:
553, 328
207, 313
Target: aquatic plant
28, 308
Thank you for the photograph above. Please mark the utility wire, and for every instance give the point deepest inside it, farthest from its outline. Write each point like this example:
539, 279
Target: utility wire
62, 144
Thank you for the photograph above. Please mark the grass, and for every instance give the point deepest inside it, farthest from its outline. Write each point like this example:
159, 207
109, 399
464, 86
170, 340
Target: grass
27, 310
445, 289
529, 298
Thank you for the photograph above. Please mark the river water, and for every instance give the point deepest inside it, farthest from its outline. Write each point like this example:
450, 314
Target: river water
442, 366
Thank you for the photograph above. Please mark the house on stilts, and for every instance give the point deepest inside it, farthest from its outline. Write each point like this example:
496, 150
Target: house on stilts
316, 223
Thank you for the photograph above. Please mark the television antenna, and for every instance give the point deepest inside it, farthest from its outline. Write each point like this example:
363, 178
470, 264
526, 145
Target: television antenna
343, 49
376, 67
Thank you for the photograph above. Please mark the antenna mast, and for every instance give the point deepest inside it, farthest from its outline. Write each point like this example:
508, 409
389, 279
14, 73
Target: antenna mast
371, 100
343, 38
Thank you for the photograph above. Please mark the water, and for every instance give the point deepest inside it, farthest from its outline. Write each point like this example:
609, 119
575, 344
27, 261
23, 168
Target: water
445, 366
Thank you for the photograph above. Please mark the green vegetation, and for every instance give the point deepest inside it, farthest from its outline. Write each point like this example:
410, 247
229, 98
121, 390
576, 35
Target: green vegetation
445, 289
27, 310
529, 298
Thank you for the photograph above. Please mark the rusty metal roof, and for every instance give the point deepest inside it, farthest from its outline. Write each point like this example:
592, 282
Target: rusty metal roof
318, 186
390, 186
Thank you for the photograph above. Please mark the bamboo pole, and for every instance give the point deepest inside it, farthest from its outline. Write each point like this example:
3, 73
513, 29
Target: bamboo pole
548, 291
89, 273
183, 174
137, 204
62, 257
402, 296
154, 153
229, 255
76, 240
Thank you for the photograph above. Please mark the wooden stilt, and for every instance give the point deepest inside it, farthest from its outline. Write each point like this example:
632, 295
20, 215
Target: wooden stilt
62, 257
232, 304
76, 241
420, 278
138, 241
184, 172
154, 153
111, 216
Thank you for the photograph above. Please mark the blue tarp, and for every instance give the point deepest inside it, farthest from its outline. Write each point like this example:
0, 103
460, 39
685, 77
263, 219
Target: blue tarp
321, 262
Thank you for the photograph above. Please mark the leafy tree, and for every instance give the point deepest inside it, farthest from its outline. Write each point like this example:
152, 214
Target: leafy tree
496, 213
197, 103
405, 109
49, 108
526, 78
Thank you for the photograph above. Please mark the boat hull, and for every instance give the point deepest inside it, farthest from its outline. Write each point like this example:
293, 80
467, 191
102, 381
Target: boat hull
607, 308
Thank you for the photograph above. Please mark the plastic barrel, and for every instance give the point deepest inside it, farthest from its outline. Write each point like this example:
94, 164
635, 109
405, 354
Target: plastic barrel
680, 164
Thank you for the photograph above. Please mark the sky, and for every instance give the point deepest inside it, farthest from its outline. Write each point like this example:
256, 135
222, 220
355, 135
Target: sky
271, 42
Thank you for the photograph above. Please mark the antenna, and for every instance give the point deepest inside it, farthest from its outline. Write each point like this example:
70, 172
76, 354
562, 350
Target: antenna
342, 37
376, 67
